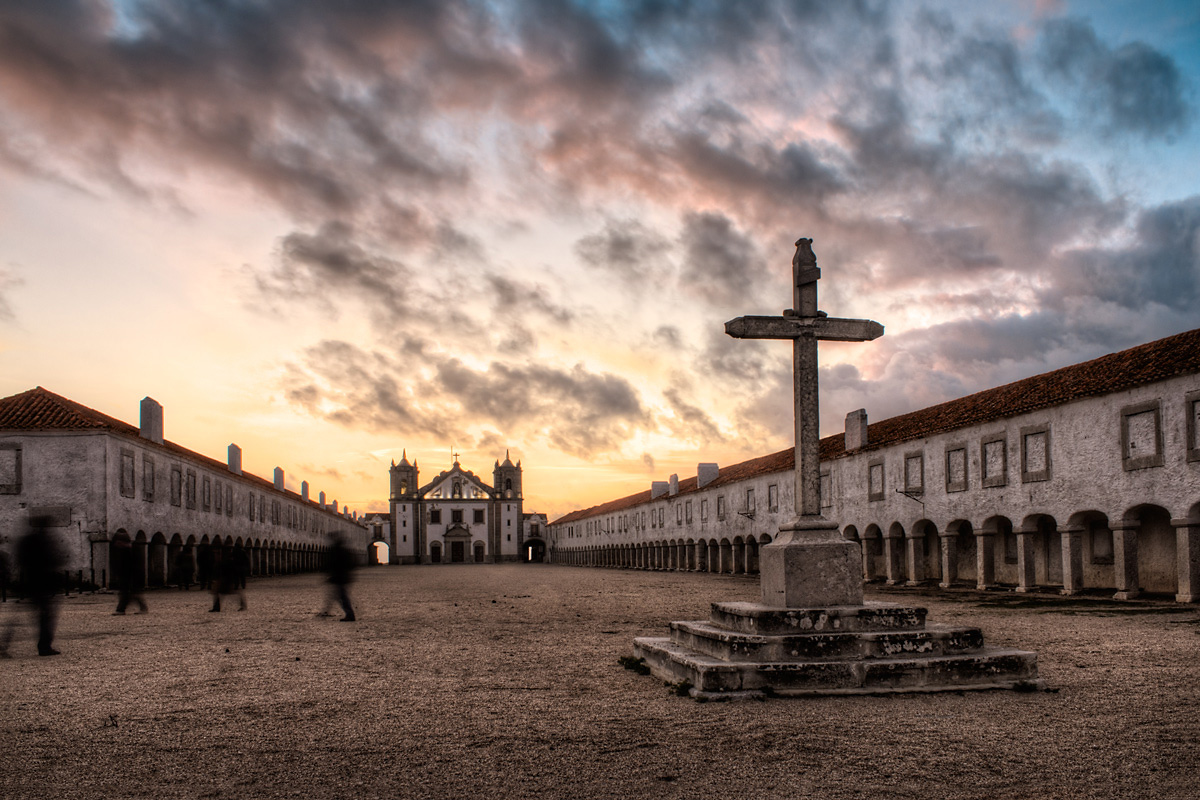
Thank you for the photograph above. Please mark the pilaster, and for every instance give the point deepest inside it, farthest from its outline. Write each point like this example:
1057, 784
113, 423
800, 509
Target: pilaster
1072, 559
1125, 559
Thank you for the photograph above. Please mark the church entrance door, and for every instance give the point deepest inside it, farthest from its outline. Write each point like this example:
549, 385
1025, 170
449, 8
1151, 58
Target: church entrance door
458, 552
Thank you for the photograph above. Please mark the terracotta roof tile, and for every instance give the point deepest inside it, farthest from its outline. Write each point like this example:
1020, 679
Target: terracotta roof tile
1148, 363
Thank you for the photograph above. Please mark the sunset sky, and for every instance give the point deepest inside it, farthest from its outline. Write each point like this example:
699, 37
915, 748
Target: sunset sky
334, 231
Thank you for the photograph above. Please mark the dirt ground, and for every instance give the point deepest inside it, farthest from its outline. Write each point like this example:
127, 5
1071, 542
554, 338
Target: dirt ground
463, 681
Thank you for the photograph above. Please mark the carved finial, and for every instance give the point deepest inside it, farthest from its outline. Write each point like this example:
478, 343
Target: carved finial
804, 254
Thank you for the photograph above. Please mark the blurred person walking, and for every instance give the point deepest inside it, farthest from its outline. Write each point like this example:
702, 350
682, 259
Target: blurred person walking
40, 562
225, 580
129, 584
339, 566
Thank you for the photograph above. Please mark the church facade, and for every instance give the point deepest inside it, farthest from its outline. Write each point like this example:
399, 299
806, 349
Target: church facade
456, 517
1084, 479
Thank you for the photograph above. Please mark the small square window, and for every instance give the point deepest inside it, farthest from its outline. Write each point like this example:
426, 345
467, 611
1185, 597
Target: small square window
190, 489
993, 461
127, 476
1141, 436
914, 472
147, 478
956, 468
10, 468
435, 516
875, 480
1192, 406
478, 517
1035, 453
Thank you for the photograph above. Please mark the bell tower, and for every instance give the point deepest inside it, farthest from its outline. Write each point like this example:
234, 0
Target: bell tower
506, 479
404, 503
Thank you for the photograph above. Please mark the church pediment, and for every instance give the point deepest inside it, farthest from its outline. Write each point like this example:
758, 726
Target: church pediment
456, 483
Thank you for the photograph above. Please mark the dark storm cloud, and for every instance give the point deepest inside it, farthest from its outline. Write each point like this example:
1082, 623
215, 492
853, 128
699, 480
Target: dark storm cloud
1134, 88
1161, 267
330, 262
577, 411
719, 261
630, 250
510, 296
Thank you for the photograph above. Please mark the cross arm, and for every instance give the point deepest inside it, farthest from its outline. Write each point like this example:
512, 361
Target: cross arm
828, 329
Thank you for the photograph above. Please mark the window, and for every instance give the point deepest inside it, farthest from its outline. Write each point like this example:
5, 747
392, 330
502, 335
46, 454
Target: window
190, 489
250, 505
147, 478
772, 497
127, 477
993, 461
10, 468
956, 468
826, 490
914, 472
678, 515
662, 512
1192, 406
479, 517
687, 511
875, 480
1035, 453
276, 516
749, 501
1141, 436
435, 516
704, 510
262, 508
720, 506
456, 516
206, 494
228, 500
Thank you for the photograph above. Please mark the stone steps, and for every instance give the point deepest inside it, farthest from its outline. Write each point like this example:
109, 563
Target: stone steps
711, 677
709, 639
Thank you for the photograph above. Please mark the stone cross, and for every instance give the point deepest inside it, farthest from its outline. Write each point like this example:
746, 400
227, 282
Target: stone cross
816, 538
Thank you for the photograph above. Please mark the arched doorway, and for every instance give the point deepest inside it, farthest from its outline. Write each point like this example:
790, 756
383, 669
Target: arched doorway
534, 552
379, 552
435, 552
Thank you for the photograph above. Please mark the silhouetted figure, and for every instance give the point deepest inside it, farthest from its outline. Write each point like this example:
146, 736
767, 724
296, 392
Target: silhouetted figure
185, 567
241, 563
40, 562
339, 566
205, 562
129, 584
226, 578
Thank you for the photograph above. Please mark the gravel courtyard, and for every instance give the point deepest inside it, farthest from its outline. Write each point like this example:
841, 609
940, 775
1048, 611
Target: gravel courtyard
463, 681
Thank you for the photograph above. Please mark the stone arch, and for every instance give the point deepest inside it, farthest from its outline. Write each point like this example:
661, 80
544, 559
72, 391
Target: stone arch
751, 555
1144, 546
738, 563
997, 553
714, 556
1095, 545
874, 566
1039, 552
923, 550
959, 552
725, 557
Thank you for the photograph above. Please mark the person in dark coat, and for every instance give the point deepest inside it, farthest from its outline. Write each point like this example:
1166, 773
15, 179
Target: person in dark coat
205, 561
241, 563
226, 578
129, 585
339, 566
185, 567
40, 561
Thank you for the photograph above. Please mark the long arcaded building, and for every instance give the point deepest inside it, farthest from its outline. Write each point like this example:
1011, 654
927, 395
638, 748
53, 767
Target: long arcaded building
1084, 478
97, 479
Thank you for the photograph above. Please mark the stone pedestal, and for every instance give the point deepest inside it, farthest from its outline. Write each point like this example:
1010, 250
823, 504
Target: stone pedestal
814, 635
747, 649
810, 565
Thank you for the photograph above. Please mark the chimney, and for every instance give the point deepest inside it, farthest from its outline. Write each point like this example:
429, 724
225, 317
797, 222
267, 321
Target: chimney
856, 430
304, 490
152, 420
673, 486
658, 489
706, 474
235, 459
334, 504
321, 496
278, 479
